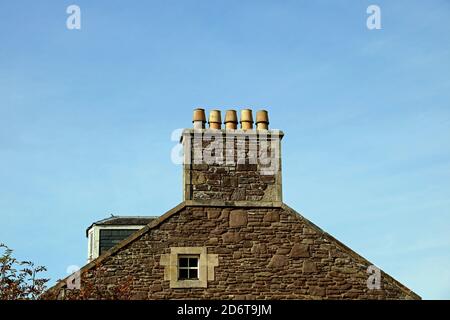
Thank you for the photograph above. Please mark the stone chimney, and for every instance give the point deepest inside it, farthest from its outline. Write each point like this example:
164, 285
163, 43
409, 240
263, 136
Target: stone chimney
230, 164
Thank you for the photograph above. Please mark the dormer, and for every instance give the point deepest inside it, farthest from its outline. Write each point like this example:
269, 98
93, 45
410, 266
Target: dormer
105, 234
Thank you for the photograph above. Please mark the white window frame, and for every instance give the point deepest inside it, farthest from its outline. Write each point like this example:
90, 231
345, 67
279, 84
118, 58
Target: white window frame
189, 256
94, 238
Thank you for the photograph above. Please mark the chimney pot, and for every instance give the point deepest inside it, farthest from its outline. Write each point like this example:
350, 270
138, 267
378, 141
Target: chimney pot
215, 119
199, 118
246, 119
262, 120
231, 120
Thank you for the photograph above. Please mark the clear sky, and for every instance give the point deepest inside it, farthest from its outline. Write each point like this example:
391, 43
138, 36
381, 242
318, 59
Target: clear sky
86, 118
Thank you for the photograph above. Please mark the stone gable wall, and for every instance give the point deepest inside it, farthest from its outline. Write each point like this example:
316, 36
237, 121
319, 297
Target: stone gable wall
263, 253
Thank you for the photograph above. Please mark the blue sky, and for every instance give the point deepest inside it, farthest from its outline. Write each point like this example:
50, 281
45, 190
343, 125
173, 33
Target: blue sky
86, 118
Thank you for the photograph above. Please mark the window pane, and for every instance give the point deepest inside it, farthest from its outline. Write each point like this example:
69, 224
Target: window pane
183, 262
193, 262
183, 274
193, 273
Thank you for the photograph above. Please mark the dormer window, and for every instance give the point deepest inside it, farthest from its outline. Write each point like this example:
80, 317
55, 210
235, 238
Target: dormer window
109, 237
105, 234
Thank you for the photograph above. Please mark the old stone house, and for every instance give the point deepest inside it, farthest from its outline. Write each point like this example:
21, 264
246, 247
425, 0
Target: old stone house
232, 237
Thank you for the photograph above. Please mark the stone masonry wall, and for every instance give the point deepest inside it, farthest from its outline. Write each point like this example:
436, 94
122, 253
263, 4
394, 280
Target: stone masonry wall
244, 178
235, 183
263, 253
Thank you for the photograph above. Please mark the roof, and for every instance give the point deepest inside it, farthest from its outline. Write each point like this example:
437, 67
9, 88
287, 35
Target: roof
123, 221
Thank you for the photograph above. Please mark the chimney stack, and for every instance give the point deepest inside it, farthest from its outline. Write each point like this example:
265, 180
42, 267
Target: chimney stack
227, 165
215, 119
246, 119
199, 118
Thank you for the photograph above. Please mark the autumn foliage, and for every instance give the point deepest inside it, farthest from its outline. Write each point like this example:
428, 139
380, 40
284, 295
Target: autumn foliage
89, 289
19, 280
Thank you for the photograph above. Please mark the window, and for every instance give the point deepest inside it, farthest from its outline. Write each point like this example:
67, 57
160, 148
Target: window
188, 267
110, 237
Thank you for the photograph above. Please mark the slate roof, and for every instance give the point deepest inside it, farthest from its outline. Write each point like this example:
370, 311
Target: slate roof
123, 221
